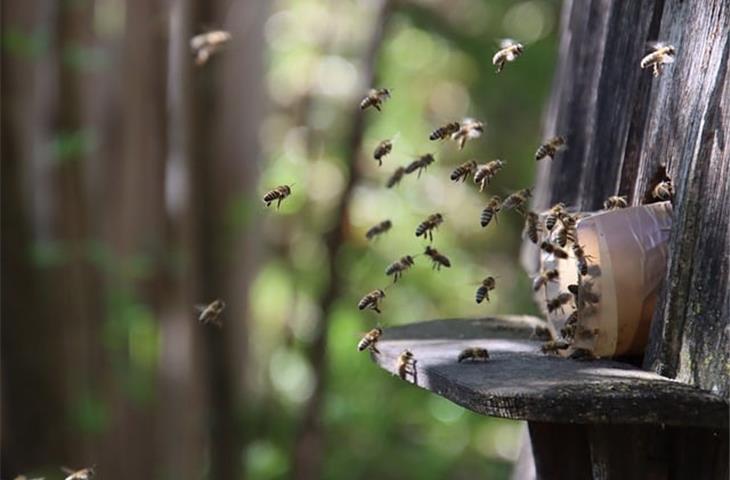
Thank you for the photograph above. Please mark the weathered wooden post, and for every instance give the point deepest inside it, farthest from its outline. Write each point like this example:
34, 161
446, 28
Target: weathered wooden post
607, 419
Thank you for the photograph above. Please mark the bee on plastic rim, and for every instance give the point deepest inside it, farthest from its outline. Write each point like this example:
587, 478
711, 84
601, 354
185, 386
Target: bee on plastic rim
615, 202
405, 365
543, 278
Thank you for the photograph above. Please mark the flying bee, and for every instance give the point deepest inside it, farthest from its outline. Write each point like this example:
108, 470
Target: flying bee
206, 44
396, 177
211, 313
439, 260
406, 365
486, 172
378, 229
517, 200
83, 474
427, 226
533, 226
488, 284
463, 171
661, 54
468, 129
584, 293
371, 300
382, 150
556, 212
375, 98
581, 259
493, 207
420, 164
554, 345
473, 354
548, 247
369, 340
543, 278
615, 202
509, 50
399, 266
279, 193
663, 191
444, 132
550, 148
557, 303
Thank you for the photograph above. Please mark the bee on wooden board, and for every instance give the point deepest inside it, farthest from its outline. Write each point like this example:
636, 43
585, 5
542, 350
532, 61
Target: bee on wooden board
661, 54
486, 172
463, 171
83, 474
581, 259
378, 229
279, 194
663, 191
615, 202
550, 148
548, 247
420, 164
473, 354
517, 200
206, 44
369, 340
372, 300
533, 228
543, 278
439, 260
405, 365
468, 129
488, 284
382, 150
557, 303
509, 50
493, 207
554, 345
426, 227
395, 179
399, 266
375, 98
445, 131
211, 313
555, 213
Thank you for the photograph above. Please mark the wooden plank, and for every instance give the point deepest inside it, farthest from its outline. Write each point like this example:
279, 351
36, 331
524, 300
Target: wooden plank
560, 450
519, 382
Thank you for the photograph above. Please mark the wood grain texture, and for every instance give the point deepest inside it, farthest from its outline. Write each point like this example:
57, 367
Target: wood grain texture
521, 383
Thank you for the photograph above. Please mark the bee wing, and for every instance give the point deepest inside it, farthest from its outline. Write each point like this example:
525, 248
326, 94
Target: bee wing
200, 308
668, 59
197, 41
505, 42
655, 45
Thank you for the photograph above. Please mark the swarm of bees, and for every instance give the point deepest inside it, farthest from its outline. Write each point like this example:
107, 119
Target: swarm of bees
206, 44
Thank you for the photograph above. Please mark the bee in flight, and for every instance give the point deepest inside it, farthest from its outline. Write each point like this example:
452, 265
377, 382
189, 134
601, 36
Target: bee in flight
486, 172
488, 284
83, 474
550, 148
615, 202
211, 313
439, 260
406, 365
378, 229
463, 171
533, 226
444, 132
396, 177
371, 300
420, 164
548, 247
509, 50
473, 354
661, 54
517, 200
557, 303
493, 207
468, 129
279, 194
663, 191
543, 278
206, 44
426, 227
382, 150
554, 214
399, 266
369, 340
375, 98
554, 345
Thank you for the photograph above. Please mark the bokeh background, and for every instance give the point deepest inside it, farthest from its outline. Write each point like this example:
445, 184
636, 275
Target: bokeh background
131, 191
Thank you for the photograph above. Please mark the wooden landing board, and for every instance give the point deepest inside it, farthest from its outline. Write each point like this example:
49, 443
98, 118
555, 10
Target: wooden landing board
519, 382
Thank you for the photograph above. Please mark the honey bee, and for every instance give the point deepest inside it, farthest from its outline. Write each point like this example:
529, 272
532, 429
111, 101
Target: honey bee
382, 150
206, 44
517, 200
663, 191
83, 474
581, 259
439, 260
543, 278
406, 365
493, 207
568, 330
468, 129
488, 284
615, 202
371, 300
420, 164
533, 226
427, 227
661, 54
444, 132
279, 193
557, 303
396, 177
211, 313
556, 212
486, 172
586, 333
473, 354
378, 229
369, 340
399, 266
548, 247
375, 98
584, 293
550, 148
554, 345
463, 171
567, 232
509, 50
